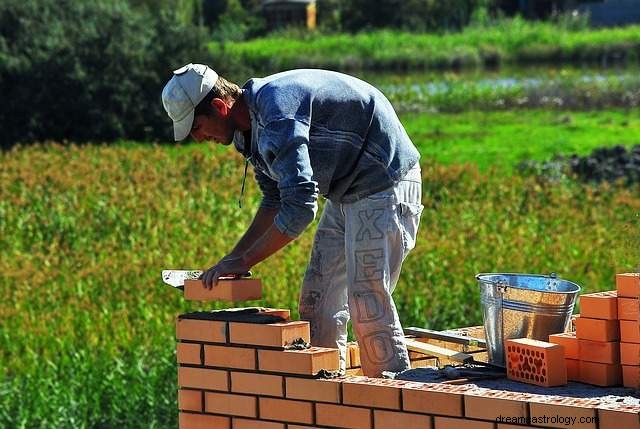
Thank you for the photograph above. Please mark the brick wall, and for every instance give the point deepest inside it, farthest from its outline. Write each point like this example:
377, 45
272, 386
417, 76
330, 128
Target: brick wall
237, 374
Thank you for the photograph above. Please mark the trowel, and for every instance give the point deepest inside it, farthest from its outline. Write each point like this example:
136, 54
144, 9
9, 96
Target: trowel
176, 278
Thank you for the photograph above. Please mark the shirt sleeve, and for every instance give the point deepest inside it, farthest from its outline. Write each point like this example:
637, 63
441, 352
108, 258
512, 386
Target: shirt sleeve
284, 145
269, 188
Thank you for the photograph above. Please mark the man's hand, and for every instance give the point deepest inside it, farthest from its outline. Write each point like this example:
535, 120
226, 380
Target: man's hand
230, 265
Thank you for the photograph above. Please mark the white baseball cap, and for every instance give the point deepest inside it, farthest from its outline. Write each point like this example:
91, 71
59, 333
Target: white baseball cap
180, 96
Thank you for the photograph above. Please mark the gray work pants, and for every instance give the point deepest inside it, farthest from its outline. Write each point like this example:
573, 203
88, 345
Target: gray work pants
355, 263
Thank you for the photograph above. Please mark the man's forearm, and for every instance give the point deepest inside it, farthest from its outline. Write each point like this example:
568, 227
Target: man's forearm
270, 242
260, 224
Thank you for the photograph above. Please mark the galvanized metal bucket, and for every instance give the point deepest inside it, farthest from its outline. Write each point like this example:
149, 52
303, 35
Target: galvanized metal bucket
524, 306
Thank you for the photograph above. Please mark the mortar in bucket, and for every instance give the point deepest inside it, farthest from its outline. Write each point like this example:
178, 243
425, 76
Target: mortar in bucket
524, 306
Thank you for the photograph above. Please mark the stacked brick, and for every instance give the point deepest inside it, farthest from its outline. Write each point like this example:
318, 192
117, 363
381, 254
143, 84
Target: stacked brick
628, 294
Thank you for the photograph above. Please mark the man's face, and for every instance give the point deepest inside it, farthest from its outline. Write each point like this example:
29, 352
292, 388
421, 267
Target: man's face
215, 126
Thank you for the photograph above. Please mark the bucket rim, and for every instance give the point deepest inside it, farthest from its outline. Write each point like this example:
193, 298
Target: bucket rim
546, 276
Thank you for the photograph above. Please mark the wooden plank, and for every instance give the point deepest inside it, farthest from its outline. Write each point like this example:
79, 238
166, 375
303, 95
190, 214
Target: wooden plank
432, 350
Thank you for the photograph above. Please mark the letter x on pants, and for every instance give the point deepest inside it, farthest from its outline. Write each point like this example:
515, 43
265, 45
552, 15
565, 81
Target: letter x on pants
357, 255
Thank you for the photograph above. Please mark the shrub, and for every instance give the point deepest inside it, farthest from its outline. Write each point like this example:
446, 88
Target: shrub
82, 70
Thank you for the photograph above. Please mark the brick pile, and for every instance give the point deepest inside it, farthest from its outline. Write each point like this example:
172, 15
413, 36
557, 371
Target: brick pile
250, 368
628, 294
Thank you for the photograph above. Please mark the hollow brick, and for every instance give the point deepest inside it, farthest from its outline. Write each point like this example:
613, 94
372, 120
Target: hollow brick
343, 416
286, 410
226, 403
569, 341
230, 357
372, 392
618, 416
305, 362
383, 419
269, 335
629, 331
628, 285
628, 309
213, 331
432, 398
599, 305
536, 362
600, 374
453, 423
630, 353
226, 290
597, 329
599, 351
486, 404
314, 389
257, 384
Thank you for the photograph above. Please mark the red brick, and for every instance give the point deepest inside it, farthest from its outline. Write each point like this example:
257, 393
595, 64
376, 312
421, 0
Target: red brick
190, 400
203, 421
452, 423
629, 331
628, 285
189, 353
225, 290
431, 398
354, 355
255, 424
597, 329
631, 376
212, 331
268, 335
486, 404
551, 407
619, 417
230, 357
314, 389
573, 369
398, 420
306, 362
630, 354
628, 309
569, 341
600, 374
343, 417
286, 410
203, 378
235, 405
536, 362
599, 351
372, 392
599, 305
258, 384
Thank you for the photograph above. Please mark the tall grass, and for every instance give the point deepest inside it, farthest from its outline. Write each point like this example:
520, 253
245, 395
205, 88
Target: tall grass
87, 333
504, 41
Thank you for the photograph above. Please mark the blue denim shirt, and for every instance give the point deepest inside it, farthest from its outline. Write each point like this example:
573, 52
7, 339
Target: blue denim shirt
307, 130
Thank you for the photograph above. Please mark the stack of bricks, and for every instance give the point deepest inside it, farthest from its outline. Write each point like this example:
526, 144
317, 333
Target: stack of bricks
628, 294
605, 348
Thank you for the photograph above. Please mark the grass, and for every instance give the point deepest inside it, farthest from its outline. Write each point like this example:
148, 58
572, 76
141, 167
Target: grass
512, 41
504, 139
87, 333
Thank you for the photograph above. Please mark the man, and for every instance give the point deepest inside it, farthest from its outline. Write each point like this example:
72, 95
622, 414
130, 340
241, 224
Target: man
311, 132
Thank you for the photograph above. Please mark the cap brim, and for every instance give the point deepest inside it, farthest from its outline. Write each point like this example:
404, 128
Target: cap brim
182, 128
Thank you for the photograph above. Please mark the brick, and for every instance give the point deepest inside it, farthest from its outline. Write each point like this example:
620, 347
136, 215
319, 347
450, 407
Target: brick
354, 355
302, 427
599, 305
599, 351
225, 290
399, 420
372, 392
226, 403
269, 335
343, 417
536, 362
305, 362
430, 398
279, 312
630, 353
628, 285
628, 309
631, 376
629, 331
203, 421
257, 384
189, 353
286, 410
486, 404
573, 369
313, 390
550, 407
255, 424
452, 423
203, 378
190, 400
569, 341
212, 331
600, 374
230, 357
509, 426
619, 416
597, 329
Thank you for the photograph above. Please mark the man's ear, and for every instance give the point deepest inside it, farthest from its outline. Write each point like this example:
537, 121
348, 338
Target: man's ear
220, 106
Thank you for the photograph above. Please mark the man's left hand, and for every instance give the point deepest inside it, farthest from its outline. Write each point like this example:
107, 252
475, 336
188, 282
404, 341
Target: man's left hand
232, 266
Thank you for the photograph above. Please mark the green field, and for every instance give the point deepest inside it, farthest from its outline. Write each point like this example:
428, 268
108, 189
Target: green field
512, 41
87, 333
